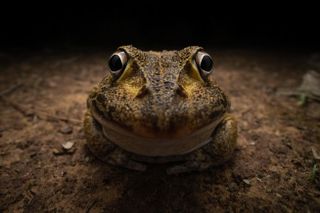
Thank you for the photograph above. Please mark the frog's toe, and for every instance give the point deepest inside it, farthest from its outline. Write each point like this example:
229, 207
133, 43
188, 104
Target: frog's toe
120, 158
129, 164
189, 166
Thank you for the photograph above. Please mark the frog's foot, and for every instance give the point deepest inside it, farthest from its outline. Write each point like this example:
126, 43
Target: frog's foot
214, 153
105, 150
120, 158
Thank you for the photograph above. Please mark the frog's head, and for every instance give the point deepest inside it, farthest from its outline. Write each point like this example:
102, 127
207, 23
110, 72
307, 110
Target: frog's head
166, 97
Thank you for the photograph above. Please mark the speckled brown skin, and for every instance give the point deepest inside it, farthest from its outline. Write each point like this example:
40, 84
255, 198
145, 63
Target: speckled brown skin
160, 96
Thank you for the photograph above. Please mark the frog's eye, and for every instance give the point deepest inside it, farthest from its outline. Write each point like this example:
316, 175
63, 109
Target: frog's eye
204, 63
118, 62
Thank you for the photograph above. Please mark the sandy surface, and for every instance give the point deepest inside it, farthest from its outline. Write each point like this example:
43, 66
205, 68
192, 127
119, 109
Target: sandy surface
42, 107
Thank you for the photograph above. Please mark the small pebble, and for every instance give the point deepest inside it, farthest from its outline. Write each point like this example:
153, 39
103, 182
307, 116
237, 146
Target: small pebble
246, 181
233, 187
67, 145
315, 154
268, 190
87, 159
66, 129
56, 152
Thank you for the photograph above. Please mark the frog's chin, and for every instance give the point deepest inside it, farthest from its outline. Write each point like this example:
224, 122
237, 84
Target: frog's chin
157, 146
154, 145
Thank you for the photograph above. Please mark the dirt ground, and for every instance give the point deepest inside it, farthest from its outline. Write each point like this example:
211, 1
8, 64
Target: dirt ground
43, 95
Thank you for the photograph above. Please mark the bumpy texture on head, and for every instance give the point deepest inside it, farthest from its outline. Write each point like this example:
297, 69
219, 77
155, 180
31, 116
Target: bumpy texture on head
159, 94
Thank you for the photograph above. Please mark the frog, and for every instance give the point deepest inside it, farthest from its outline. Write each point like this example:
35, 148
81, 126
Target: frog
163, 107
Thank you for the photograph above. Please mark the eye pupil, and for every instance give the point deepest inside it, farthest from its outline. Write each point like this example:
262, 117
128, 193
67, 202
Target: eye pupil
206, 63
115, 63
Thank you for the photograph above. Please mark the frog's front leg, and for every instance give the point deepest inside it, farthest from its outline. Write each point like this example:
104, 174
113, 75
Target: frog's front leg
104, 149
215, 152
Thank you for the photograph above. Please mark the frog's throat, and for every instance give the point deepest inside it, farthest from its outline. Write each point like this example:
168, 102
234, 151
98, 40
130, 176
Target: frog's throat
155, 146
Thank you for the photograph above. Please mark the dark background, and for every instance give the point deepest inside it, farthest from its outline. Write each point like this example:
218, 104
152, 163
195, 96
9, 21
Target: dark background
160, 26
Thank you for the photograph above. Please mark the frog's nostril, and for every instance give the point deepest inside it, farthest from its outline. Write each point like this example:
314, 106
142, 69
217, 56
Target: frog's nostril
142, 92
181, 91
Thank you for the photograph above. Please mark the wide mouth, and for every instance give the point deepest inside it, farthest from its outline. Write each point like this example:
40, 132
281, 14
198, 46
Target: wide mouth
161, 145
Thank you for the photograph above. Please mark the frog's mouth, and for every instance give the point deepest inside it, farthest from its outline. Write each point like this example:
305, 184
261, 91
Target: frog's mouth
153, 146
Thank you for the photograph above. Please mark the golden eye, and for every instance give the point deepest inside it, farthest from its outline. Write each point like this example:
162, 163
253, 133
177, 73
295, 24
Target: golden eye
204, 63
117, 63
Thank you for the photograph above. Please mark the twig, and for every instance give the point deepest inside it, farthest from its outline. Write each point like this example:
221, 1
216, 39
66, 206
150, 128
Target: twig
42, 115
15, 106
91, 205
5, 128
47, 116
10, 89
288, 92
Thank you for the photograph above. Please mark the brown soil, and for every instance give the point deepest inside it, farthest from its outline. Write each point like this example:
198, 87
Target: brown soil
43, 98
